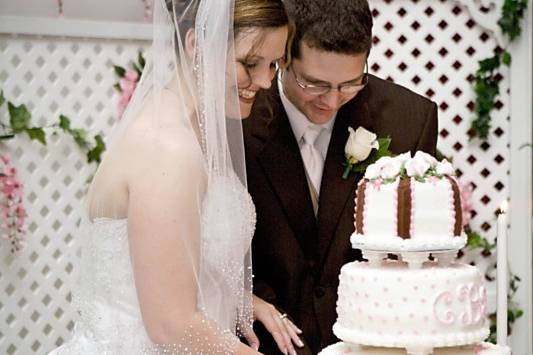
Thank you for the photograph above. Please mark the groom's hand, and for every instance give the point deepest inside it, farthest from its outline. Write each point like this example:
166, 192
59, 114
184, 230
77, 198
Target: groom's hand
282, 329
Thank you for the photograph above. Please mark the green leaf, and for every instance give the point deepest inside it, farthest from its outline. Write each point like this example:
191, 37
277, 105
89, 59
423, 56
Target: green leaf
64, 123
137, 69
117, 87
489, 64
140, 60
80, 137
19, 117
96, 153
37, 133
512, 15
2, 98
384, 144
506, 58
7, 136
119, 71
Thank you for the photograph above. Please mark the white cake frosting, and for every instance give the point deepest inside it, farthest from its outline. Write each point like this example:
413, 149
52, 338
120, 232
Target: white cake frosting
351, 349
408, 204
394, 306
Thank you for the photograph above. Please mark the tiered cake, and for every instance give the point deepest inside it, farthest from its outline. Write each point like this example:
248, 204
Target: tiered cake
424, 302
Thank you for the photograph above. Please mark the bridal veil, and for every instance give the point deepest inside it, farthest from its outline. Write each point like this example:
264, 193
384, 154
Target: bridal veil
186, 103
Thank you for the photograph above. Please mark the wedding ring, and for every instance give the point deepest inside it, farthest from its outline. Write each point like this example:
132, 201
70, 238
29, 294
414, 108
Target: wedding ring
283, 316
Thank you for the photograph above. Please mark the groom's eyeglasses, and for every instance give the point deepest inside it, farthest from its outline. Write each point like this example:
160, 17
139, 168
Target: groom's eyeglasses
322, 89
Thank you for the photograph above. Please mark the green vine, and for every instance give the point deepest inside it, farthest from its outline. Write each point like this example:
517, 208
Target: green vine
486, 79
19, 123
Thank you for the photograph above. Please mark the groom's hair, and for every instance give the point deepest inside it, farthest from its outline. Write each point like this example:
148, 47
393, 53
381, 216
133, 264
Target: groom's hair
341, 26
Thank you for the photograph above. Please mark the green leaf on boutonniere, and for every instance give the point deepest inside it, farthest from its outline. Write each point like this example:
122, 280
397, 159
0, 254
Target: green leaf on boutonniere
2, 98
375, 155
37, 133
19, 117
64, 123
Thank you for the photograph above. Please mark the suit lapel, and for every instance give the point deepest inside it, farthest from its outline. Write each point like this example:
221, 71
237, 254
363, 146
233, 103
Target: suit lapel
282, 164
335, 191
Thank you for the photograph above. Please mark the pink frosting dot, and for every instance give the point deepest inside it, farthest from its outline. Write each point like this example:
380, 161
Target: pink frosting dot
423, 300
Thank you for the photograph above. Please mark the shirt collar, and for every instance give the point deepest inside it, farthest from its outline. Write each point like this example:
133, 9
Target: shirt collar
299, 122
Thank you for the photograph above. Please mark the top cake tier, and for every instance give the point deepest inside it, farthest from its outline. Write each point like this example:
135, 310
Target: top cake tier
408, 204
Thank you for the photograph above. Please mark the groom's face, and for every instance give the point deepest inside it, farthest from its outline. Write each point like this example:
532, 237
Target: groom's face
323, 68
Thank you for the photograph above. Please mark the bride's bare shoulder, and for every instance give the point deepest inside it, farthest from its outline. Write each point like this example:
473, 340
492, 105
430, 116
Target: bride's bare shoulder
160, 137
162, 124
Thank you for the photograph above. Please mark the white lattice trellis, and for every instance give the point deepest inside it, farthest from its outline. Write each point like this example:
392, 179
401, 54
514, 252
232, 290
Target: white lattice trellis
52, 76
429, 46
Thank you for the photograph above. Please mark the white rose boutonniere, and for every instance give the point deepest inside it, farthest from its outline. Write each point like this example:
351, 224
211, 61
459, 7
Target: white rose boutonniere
362, 149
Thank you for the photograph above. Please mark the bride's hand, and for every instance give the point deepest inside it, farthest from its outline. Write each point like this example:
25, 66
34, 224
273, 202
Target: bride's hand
283, 330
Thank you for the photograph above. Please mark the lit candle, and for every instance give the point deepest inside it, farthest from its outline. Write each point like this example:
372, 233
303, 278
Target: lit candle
501, 315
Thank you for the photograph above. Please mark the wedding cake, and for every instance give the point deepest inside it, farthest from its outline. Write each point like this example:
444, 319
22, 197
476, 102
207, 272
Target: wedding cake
425, 302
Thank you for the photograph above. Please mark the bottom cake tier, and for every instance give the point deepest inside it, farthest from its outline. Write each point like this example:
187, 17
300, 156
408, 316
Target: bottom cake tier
391, 305
478, 349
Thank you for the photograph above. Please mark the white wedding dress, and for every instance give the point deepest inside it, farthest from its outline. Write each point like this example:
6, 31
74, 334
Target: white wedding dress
110, 319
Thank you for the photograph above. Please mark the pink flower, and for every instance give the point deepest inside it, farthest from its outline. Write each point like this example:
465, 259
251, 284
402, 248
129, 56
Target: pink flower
12, 211
5, 159
131, 75
123, 102
11, 187
466, 191
127, 86
20, 211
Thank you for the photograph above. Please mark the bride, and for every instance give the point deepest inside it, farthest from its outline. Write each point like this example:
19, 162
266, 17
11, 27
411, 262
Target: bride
166, 265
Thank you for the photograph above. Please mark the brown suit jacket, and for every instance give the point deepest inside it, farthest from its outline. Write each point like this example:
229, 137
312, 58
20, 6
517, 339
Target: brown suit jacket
296, 256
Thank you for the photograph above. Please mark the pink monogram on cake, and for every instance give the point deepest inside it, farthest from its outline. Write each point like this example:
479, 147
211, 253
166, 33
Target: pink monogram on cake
473, 301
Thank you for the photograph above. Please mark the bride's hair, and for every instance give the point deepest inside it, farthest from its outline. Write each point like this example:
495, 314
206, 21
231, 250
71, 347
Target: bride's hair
247, 13
259, 14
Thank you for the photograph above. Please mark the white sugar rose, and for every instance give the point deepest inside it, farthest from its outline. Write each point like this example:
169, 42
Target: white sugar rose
427, 158
402, 158
416, 167
445, 168
372, 171
392, 169
359, 144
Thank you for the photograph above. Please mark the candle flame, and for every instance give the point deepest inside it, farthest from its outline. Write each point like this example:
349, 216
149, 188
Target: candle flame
504, 206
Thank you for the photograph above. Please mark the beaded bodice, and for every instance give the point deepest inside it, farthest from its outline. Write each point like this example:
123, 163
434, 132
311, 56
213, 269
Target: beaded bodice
110, 320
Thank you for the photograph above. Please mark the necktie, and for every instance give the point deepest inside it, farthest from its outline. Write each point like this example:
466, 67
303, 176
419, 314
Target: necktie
313, 161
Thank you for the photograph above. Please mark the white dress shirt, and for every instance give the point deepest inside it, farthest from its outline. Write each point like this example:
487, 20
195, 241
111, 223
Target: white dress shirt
299, 124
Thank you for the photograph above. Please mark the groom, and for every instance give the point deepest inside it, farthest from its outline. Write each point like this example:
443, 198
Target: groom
295, 154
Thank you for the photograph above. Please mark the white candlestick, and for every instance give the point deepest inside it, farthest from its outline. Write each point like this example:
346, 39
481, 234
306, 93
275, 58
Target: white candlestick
501, 315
